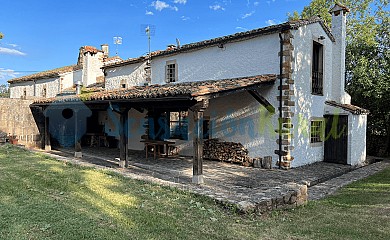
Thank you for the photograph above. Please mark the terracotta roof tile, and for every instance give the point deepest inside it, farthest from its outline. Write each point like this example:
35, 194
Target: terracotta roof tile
348, 107
90, 49
46, 74
186, 89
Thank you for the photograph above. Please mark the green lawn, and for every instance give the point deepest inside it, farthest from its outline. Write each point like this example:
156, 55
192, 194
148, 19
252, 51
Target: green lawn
41, 198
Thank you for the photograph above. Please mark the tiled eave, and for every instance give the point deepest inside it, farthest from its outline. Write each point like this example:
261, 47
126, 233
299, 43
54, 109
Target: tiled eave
187, 90
46, 74
349, 108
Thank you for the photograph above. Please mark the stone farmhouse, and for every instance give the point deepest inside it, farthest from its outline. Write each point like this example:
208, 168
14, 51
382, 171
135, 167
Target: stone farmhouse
270, 93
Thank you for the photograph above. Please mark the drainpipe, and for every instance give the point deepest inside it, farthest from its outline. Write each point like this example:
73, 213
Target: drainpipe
280, 98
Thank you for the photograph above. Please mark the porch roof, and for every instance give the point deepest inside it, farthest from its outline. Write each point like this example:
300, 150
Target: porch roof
185, 90
349, 107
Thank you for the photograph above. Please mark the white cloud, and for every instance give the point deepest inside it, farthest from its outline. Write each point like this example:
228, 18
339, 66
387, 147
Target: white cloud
217, 7
149, 13
184, 18
256, 4
247, 15
10, 51
180, 1
7, 74
13, 45
159, 5
241, 29
271, 22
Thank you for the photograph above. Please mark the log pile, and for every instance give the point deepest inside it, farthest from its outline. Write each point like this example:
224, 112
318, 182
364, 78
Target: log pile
226, 152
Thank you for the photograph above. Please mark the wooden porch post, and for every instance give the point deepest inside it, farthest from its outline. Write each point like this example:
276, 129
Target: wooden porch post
47, 135
123, 145
77, 144
197, 169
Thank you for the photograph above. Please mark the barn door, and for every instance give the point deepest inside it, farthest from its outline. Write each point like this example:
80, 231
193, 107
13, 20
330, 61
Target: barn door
336, 139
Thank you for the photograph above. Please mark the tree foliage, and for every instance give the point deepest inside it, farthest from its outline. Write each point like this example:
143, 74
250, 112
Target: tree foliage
367, 58
4, 90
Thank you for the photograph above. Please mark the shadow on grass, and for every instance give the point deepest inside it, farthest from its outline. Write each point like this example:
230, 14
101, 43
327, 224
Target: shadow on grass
44, 198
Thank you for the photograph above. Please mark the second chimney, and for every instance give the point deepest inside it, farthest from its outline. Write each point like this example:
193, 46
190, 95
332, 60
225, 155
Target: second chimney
105, 49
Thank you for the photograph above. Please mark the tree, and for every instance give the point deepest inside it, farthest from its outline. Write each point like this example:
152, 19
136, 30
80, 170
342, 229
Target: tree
1, 35
4, 91
367, 60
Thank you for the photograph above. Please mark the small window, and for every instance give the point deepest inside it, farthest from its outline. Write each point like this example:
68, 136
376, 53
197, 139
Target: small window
44, 92
317, 131
123, 83
171, 72
317, 80
24, 93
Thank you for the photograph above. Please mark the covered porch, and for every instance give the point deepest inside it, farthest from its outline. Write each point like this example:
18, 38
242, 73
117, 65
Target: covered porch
153, 103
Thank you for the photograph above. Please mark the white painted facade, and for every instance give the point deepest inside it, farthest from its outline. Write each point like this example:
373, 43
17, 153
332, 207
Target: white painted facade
46, 87
251, 57
92, 72
239, 117
130, 75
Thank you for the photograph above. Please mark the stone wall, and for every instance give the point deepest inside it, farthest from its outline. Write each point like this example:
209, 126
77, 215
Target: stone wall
16, 119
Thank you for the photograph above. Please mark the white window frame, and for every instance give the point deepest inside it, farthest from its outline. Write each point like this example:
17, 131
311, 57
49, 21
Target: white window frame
169, 76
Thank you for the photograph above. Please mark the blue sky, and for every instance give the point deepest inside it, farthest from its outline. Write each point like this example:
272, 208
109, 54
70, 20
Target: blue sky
42, 35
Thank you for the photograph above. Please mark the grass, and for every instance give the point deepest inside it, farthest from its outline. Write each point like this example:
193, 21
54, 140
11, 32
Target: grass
42, 198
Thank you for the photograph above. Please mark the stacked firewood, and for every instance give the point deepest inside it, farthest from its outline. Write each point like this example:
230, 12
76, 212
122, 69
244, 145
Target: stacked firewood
226, 152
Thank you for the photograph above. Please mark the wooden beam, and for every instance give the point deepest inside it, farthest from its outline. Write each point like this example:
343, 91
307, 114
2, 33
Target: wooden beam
197, 169
197, 115
123, 141
47, 135
262, 100
77, 144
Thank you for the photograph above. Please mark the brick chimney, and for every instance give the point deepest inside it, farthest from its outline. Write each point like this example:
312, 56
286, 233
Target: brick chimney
339, 29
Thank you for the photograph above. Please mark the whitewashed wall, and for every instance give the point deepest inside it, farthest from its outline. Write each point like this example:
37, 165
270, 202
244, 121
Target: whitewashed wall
135, 129
308, 106
240, 118
92, 71
52, 87
357, 125
240, 59
69, 79
132, 74
17, 89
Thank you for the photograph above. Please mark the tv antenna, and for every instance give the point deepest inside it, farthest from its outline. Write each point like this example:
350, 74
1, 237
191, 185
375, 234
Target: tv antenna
117, 41
148, 30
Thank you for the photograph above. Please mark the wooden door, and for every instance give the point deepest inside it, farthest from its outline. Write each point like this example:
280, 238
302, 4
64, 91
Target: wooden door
336, 139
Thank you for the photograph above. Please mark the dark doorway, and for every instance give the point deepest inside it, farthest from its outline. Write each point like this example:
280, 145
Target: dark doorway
336, 139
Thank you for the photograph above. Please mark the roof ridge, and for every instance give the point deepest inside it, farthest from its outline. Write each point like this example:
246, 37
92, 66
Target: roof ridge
47, 73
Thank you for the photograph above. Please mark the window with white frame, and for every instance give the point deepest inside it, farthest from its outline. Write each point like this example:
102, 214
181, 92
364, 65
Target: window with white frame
171, 71
317, 131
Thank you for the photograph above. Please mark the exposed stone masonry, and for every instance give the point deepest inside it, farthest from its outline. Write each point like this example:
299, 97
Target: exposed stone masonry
288, 103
